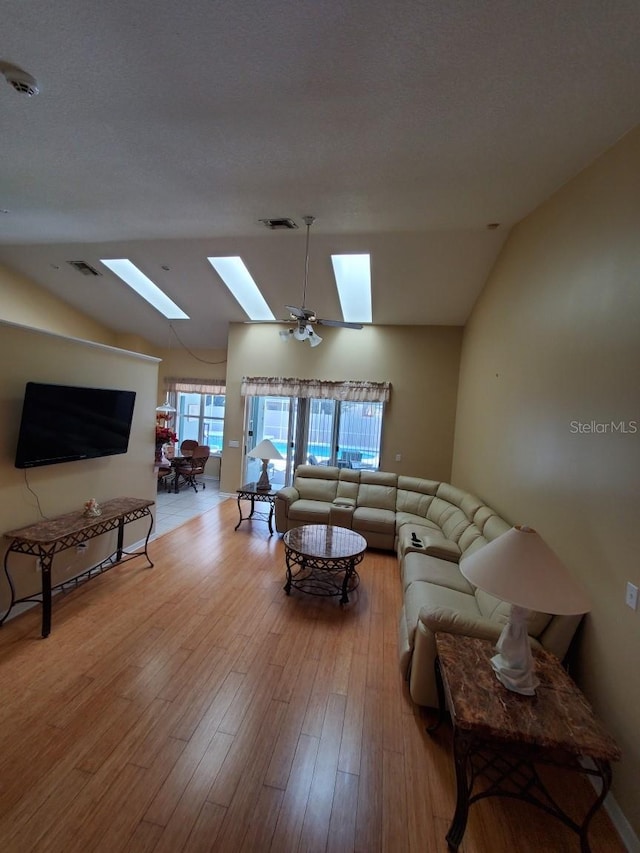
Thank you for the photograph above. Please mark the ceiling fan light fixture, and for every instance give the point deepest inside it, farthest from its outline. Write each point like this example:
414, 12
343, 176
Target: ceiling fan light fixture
314, 339
300, 334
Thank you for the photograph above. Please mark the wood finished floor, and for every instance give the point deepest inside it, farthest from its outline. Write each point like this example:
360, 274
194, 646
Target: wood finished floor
195, 707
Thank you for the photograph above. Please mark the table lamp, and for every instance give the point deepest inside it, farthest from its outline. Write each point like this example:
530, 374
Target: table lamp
265, 451
521, 569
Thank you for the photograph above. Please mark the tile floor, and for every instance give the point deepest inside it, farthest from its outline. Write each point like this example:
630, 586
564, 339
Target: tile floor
173, 510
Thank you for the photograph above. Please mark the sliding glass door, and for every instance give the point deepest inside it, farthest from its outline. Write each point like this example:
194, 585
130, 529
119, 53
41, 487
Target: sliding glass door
320, 432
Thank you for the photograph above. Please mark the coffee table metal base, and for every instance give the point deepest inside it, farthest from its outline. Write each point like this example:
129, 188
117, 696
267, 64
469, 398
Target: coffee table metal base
317, 576
322, 560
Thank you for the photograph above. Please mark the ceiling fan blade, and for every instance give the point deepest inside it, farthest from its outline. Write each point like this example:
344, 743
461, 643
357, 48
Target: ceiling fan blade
296, 312
339, 323
287, 321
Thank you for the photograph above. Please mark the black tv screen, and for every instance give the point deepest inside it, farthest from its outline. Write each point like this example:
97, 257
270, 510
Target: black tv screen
63, 423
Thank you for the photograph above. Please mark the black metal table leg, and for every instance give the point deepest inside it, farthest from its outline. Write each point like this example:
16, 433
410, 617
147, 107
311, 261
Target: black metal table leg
441, 700
46, 559
461, 746
345, 583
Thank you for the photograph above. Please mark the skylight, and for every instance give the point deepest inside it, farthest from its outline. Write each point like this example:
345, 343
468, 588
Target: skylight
353, 279
143, 286
238, 279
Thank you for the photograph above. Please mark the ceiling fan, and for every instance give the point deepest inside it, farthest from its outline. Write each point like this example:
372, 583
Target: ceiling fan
306, 317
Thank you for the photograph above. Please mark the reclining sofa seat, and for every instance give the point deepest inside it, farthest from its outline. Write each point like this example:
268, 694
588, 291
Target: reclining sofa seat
449, 523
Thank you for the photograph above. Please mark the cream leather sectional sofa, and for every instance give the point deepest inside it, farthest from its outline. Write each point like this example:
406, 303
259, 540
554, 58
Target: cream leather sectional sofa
391, 511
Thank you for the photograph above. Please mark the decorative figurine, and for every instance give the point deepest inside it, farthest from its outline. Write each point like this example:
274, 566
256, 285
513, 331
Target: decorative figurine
92, 508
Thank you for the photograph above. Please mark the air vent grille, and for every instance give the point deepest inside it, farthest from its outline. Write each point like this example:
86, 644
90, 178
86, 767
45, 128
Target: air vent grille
84, 268
279, 224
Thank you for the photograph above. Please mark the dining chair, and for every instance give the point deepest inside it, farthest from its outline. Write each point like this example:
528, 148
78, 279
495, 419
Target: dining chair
192, 467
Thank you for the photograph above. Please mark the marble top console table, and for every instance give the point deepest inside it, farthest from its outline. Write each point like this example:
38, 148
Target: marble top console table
46, 538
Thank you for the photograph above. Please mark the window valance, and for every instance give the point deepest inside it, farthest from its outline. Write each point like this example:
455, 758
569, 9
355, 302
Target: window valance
353, 390
196, 386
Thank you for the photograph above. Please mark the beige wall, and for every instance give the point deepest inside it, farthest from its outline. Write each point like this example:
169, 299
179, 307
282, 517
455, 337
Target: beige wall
55, 489
181, 364
23, 302
555, 339
420, 362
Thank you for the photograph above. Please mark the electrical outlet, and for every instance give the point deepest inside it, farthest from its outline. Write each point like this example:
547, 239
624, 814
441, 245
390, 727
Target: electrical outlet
631, 596
398, 457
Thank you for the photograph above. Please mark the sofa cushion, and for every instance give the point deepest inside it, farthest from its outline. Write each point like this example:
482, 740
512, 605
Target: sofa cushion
415, 521
421, 594
424, 567
316, 489
417, 484
415, 495
468, 503
310, 512
377, 497
376, 520
441, 511
498, 611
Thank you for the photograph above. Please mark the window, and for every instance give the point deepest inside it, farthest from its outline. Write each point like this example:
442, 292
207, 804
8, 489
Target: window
199, 410
200, 417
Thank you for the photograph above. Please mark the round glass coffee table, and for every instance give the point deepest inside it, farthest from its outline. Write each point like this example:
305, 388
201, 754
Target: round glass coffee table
322, 559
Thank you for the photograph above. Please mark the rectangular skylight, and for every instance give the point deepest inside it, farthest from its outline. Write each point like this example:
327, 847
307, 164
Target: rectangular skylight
143, 286
353, 279
238, 279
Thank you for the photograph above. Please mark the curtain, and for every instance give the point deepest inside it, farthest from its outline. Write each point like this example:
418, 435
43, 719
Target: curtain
353, 390
195, 386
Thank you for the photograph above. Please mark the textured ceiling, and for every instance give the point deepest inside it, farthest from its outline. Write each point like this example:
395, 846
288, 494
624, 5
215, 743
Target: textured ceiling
164, 132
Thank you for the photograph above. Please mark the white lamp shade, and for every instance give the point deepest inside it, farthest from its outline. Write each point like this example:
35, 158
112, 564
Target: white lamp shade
265, 450
519, 567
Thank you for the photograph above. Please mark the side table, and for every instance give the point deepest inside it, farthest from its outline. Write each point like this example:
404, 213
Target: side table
499, 736
250, 492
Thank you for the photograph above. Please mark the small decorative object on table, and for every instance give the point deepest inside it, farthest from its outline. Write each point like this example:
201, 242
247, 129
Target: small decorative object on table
92, 508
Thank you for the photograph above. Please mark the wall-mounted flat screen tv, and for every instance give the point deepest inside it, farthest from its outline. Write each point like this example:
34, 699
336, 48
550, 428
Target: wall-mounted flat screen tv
63, 423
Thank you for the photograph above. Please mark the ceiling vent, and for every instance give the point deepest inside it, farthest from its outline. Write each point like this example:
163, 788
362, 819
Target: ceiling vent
279, 224
21, 81
84, 268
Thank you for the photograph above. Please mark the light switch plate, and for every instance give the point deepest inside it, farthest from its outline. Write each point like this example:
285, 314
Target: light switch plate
631, 596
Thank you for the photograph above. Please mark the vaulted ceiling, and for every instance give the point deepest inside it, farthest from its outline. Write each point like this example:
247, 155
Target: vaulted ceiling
164, 132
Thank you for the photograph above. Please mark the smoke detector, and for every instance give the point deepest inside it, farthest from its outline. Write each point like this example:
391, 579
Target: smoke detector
21, 81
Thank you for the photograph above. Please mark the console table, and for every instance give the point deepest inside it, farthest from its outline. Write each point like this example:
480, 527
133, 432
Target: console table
499, 736
46, 538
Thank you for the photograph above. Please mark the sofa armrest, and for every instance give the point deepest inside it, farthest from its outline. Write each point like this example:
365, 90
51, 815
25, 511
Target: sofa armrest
439, 546
283, 500
453, 622
289, 494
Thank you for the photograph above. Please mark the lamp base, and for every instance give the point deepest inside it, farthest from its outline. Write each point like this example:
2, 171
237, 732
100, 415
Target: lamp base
513, 665
263, 484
